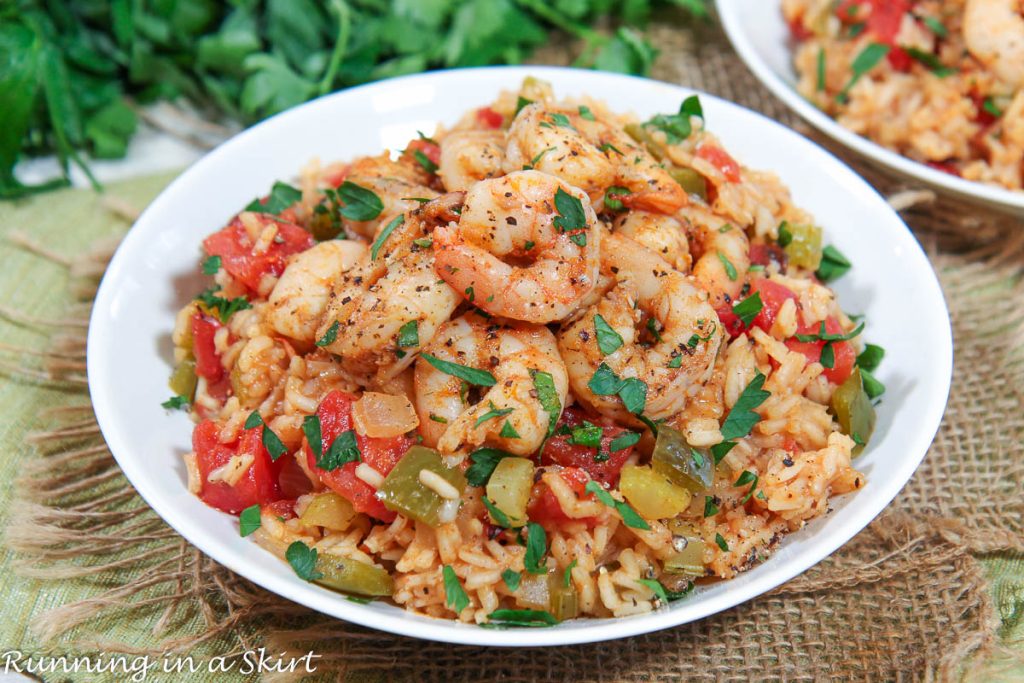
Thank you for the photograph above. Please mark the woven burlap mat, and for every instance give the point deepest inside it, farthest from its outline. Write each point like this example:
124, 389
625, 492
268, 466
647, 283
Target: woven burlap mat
905, 599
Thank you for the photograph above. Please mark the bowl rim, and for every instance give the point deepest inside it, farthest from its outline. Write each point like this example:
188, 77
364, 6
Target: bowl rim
730, 13
407, 624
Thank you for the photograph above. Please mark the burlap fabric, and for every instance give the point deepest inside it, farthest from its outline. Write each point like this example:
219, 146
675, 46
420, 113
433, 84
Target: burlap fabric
907, 599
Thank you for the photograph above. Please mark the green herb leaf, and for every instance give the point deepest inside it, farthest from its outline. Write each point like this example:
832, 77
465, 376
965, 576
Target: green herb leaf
302, 558
249, 520
491, 414
629, 516
360, 204
633, 394
677, 360
512, 579
570, 212
270, 440
314, 435
730, 269
409, 335
872, 387
330, 335
211, 265
528, 618
935, 26
678, 127
281, 197
820, 86
742, 417
224, 308
483, 461
833, 264
561, 120
785, 234
508, 431
424, 161
613, 195
385, 234
991, 107
748, 309
520, 103
747, 477
454, 594
480, 378
588, 435
930, 62
344, 449
567, 576
663, 593
721, 542
176, 403
710, 509
499, 517
585, 113
623, 441
547, 394
608, 340
864, 62
822, 335
536, 548
870, 358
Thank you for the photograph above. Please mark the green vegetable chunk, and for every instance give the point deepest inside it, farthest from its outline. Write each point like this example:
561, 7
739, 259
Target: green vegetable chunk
564, 601
643, 136
676, 460
688, 560
183, 379
804, 248
404, 493
853, 410
351, 576
690, 180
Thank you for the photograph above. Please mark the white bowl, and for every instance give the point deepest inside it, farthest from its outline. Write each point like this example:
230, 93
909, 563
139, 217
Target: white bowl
762, 39
155, 271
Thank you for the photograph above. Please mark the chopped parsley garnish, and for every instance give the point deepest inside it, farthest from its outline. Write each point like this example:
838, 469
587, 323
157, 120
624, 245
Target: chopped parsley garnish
540, 155
571, 216
499, 517
508, 431
530, 244
785, 234
623, 441
609, 147
748, 309
522, 618
454, 594
211, 265
409, 335
330, 335
747, 477
730, 269
631, 390
224, 308
302, 558
423, 242
678, 127
629, 516
677, 360
821, 70
561, 120
822, 335
474, 376
613, 195
281, 196
872, 387
439, 419
741, 418
491, 414
710, 509
608, 340
512, 579
547, 394
470, 294
385, 234
424, 161
664, 594
249, 520
930, 62
833, 264
935, 26
721, 543
270, 440
991, 107
588, 435
176, 403
652, 327
864, 62
585, 113
360, 204
483, 461
856, 29
536, 548
344, 448
567, 576
314, 435
520, 103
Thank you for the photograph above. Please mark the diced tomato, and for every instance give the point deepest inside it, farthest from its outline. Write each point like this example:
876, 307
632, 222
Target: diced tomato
238, 254
762, 254
257, 486
431, 150
944, 166
883, 21
382, 454
798, 30
899, 59
730, 321
489, 118
790, 444
544, 507
208, 365
984, 117
721, 160
284, 508
843, 351
559, 451
773, 295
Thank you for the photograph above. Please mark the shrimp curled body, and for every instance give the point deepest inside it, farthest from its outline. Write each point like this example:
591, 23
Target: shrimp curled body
994, 34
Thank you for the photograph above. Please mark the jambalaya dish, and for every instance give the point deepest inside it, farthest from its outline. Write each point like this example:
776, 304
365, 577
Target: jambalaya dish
552, 362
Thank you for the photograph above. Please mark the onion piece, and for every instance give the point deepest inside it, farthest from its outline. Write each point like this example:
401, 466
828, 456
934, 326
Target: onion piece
383, 415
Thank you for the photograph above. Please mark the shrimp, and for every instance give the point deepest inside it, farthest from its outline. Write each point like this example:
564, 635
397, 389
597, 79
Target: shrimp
300, 297
510, 414
724, 255
994, 34
397, 185
590, 153
670, 335
383, 312
469, 156
508, 255
662, 234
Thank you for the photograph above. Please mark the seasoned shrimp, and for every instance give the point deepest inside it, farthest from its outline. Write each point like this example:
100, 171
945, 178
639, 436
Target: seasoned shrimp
590, 153
670, 335
724, 255
300, 297
457, 421
994, 34
664, 235
509, 257
383, 312
396, 184
469, 156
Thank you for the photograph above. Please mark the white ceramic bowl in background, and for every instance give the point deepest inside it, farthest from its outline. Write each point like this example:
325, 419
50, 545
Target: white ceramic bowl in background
155, 271
762, 39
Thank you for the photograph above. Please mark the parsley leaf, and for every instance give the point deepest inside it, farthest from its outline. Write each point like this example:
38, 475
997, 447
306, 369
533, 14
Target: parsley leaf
588, 435
499, 517
608, 340
872, 387
176, 403
330, 335
302, 558
281, 196
480, 378
822, 335
747, 477
211, 265
629, 516
935, 26
385, 234
360, 204
748, 309
508, 431
270, 440
484, 460
585, 113
567, 576
249, 520
742, 417
730, 269
710, 509
663, 593
870, 358
571, 216
454, 594
678, 127
224, 308
833, 264
530, 618
314, 436
491, 414
864, 62
721, 542
424, 161
633, 394
623, 441
547, 394
512, 579
536, 548
344, 449
820, 85
409, 335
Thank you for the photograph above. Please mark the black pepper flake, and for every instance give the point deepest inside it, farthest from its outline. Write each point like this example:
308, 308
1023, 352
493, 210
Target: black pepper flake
787, 461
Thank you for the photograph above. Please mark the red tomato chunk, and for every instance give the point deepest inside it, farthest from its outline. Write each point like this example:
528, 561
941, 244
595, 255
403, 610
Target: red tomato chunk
248, 264
258, 485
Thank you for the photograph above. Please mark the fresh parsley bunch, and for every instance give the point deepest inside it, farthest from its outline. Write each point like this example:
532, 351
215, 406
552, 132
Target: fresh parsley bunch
72, 71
